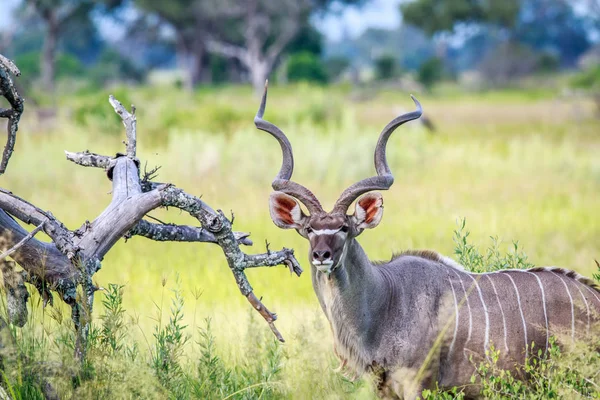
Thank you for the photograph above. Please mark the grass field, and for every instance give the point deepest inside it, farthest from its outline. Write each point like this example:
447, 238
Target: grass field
517, 165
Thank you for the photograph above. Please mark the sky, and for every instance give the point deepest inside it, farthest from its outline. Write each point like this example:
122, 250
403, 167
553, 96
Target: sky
376, 13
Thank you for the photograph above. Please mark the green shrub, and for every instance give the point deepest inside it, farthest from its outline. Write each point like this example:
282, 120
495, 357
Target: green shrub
386, 67
306, 67
588, 79
430, 72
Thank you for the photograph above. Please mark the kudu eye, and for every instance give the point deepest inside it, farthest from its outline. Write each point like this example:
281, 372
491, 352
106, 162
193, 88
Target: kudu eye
308, 229
344, 228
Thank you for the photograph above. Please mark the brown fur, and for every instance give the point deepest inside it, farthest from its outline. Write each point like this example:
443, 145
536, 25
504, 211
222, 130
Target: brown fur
570, 274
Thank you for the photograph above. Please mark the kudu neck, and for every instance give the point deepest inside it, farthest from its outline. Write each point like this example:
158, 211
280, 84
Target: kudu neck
354, 272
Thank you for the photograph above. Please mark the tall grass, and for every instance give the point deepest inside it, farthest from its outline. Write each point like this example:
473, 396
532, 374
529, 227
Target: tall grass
516, 166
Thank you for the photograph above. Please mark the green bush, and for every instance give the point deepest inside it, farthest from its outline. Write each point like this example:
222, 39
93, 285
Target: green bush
306, 67
430, 72
67, 66
386, 67
588, 79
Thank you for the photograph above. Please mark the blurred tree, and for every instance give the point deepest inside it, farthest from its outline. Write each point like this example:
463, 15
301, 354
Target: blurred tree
430, 72
308, 39
336, 66
386, 67
57, 15
257, 32
435, 16
507, 62
306, 67
190, 29
549, 26
112, 66
253, 32
552, 26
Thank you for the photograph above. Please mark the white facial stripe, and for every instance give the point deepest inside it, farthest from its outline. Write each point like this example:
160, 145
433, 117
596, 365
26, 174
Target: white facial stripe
320, 232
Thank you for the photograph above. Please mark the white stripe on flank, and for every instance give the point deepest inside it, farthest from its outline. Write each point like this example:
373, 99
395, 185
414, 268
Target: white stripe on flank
522, 315
487, 317
456, 321
587, 307
319, 232
592, 291
468, 305
572, 306
501, 311
544, 304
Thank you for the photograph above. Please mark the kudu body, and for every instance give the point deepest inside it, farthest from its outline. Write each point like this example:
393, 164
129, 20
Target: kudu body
420, 318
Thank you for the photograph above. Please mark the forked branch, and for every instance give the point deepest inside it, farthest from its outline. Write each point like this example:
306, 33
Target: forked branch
214, 226
74, 257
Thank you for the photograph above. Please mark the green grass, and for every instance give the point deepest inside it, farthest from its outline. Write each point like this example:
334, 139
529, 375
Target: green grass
517, 166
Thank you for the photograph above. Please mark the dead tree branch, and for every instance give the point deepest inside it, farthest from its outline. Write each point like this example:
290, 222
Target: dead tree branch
130, 123
8, 91
74, 256
22, 242
179, 233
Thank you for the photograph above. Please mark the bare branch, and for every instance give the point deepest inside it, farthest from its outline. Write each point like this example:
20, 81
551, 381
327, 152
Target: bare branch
88, 159
228, 50
8, 65
217, 224
74, 257
129, 121
179, 233
30, 214
7, 89
41, 261
291, 29
22, 242
266, 314
274, 258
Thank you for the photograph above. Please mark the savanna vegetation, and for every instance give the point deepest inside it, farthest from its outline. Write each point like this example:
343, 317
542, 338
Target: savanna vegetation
517, 164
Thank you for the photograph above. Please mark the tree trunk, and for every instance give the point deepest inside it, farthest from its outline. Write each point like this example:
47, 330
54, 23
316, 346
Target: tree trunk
259, 72
48, 60
184, 61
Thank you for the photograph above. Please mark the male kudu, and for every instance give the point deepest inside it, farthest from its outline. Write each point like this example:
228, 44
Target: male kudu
419, 318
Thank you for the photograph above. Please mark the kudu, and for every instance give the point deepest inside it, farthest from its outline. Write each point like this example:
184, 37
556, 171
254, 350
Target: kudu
419, 318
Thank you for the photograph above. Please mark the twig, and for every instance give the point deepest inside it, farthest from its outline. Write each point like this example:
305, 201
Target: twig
266, 314
157, 220
22, 242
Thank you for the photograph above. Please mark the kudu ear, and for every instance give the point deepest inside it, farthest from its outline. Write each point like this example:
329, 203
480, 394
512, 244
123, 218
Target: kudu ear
369, 210
285, 211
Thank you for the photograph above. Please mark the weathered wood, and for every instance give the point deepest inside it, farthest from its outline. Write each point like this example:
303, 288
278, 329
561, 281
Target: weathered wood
74, 257
7, 89
179, 233
130, 123
21, 242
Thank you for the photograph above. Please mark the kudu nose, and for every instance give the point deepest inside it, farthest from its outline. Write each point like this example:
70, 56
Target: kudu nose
321, 255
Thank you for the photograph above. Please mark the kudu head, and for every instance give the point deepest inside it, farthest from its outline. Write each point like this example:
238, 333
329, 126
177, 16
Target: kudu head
329, 232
